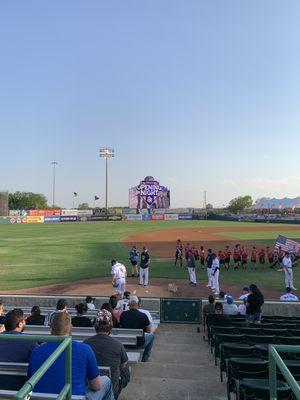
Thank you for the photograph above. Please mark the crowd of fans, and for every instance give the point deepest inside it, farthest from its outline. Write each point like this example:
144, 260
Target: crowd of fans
98, 350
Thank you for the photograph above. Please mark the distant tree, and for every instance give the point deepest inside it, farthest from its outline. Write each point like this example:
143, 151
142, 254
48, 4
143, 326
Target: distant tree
209, 206
83, 206
27, 201
240, 204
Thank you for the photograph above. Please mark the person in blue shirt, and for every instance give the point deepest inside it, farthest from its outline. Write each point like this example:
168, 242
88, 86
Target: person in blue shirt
133, 257
84, 366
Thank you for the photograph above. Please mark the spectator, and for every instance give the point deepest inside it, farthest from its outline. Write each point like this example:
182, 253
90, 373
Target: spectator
254, 303
134, 319
113, 301
109, 351
14, 351
229, 308
146, 312
288, 296
245, 293
2, 317
218, 318
84, 366
209, 308
242, 308
61, 307
108, 307
90, 302
35, 318
123, 304
80, 320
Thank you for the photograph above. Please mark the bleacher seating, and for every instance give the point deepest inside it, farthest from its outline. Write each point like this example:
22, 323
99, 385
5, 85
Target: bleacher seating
243, 352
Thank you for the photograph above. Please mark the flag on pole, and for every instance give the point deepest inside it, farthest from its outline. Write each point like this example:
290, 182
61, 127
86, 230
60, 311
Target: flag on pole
287, 245
75, 194
97, 198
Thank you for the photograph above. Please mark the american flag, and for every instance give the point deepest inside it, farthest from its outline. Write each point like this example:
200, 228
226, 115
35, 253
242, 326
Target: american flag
287, 245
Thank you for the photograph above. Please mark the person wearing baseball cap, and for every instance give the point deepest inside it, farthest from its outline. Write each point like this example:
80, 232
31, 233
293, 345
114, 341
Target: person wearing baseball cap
229, 308
134, 319
288, 270
245, 293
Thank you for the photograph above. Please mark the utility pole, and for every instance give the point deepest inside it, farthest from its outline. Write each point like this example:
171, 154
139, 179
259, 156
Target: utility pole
54, 163
106, 152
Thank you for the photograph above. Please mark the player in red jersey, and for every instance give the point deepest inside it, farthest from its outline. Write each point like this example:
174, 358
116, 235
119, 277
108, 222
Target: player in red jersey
227, 253
236, 257
202, 258
262, 257
221, 257
244, 256
253, 258
195, 252
270, 255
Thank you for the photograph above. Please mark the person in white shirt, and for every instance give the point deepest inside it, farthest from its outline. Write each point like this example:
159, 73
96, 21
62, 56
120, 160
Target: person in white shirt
153, 326
215, 271
90, 303
245, 293
119, 274
242, 307
229, 308
123, 304
288, 296
288, 271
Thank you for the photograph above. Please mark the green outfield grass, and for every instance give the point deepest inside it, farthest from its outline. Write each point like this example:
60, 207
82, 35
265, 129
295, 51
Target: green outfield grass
35, 255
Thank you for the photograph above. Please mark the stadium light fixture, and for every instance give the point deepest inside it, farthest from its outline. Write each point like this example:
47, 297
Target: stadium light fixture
54, 163
106, 152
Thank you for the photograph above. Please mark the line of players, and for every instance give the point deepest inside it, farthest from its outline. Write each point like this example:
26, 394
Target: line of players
239, 255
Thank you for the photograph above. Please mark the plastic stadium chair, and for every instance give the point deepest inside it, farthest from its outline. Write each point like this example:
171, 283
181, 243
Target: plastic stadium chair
223, 338
229, 350
250, 331
261, 339
245, 368
294, 332
274, 331
294, 367
259, 389
289, 340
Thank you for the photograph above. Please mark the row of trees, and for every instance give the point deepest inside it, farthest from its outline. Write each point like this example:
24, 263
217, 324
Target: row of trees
29, 200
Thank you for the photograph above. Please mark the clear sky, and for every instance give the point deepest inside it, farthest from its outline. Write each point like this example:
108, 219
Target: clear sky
202, 95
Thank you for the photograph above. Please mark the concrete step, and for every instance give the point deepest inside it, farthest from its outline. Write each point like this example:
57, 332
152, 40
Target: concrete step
180, 348
176, 357
178, 339
178, 328
146, 388
170, 370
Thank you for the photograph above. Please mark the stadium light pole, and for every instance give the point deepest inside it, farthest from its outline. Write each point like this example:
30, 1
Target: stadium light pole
106, 152
54, 163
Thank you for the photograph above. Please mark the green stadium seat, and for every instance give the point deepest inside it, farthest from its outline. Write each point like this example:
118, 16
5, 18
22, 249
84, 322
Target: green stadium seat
244, 368
259, 389
229, 350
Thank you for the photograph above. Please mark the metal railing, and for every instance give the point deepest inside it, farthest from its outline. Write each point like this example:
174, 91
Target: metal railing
276, 361
66, 344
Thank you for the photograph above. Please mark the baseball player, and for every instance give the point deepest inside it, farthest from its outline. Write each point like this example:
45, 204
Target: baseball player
253, 258
119, 274
209, 261
179, 252
191, 263
144, 267
288, 270
227, 253
215, 271
133, 257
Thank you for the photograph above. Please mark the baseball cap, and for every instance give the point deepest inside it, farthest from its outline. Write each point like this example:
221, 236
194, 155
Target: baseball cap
246, 289
127, 295
229, 299
133, 299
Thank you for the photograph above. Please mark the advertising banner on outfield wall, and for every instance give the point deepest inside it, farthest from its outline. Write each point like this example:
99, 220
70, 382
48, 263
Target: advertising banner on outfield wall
4, 220
134, 217
14, 213
97, 218
185, 216
171, 217
115, 218
68, 218
158, 210
85, 213
126, 211
42, 213
157, 217
33, 220
52, 219
69, 212
146, 217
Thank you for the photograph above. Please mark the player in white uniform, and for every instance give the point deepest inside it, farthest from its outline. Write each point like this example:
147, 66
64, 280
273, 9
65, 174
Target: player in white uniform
288, 270
215, 270
119, 274
288, 296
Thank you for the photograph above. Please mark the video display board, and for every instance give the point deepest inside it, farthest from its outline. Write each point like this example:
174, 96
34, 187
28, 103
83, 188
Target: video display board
149, 194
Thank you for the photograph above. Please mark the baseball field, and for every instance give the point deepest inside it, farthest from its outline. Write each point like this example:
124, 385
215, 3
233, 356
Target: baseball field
74, 258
